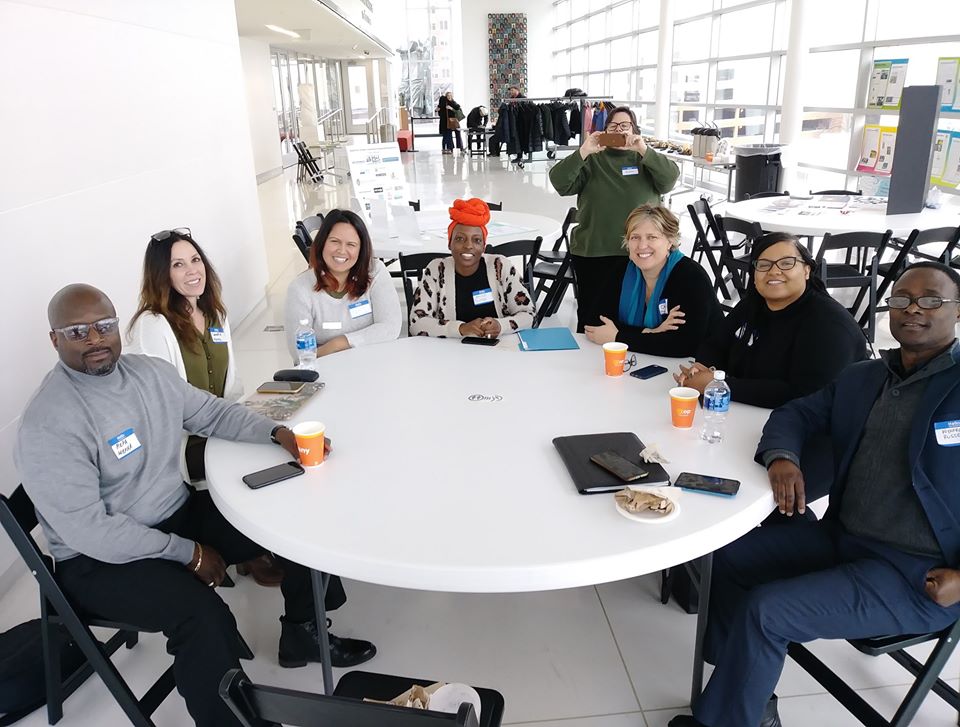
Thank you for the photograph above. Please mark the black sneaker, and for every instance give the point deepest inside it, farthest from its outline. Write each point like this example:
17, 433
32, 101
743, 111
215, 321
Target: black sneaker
300, 644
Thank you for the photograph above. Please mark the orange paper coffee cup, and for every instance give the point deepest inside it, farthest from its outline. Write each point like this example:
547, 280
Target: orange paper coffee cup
309, 437
683, 405
614, 354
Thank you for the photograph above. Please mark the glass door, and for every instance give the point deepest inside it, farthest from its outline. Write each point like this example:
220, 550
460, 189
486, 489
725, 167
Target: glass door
361, 101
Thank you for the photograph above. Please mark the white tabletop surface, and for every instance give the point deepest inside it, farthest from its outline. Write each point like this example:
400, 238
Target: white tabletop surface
809, 217
429, 490
432, 237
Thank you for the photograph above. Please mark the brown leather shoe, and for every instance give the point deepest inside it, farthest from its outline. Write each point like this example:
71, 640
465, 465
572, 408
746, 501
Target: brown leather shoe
264, 570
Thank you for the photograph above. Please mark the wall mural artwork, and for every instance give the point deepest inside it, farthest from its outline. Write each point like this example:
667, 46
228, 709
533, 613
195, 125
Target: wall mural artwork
507, 46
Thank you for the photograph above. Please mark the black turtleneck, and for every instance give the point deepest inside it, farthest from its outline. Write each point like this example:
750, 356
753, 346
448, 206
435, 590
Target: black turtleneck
772, 357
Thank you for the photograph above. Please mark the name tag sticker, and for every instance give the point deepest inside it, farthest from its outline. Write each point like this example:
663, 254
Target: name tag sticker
360, 308
948, 433
125, 443
482, 296
331, 326
664, 307
629, 171
218, 335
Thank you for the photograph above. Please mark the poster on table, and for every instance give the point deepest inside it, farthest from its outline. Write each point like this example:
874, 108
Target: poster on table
948, 77
377, 174
877, 148
945, 169
886, 84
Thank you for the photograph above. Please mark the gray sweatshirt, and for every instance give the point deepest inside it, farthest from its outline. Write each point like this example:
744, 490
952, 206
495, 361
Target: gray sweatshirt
99, 456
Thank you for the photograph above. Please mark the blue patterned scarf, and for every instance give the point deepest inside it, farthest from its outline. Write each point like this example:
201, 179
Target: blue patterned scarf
633, 293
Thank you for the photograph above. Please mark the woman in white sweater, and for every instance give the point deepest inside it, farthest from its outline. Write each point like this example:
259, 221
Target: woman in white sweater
347, 296
470, 293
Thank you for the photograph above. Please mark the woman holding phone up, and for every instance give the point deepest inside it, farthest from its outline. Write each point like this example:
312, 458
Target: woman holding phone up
612, 173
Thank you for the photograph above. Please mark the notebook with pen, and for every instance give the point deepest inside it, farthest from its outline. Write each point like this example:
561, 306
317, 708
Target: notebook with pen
547, 339
590, 479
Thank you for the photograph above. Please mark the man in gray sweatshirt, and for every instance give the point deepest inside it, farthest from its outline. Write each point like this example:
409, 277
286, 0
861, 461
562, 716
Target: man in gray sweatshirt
98, 452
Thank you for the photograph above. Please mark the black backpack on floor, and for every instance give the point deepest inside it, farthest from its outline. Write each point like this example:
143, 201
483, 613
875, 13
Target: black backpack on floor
22, 685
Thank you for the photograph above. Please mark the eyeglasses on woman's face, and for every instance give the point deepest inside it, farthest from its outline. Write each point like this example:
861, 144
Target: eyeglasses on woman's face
784, 263
623, 127
926, 302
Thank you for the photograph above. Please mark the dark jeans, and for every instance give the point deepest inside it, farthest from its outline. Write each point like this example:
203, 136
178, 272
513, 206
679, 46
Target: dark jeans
801, 582
164, 596
593, 275
448, 135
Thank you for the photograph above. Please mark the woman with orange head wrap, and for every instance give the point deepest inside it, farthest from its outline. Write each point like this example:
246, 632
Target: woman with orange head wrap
470, 293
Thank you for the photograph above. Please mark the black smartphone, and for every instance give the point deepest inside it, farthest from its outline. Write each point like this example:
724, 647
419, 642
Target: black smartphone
271, 475
280, 387
619, 466
707, 485
480, 341
648, 372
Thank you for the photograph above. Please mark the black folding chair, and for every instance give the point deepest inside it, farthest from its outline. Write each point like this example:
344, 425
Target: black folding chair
253, 704
762, 195
19, 518
526, 249
847, 192
305, 231
707, 243
859, 269
307, 166
415, 203
733, 266
411, 270
927, 674
554, 267
495, 206
562, 244
948, 237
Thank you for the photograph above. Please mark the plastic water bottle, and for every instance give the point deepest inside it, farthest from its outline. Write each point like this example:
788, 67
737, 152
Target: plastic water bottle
716, 403
306, 344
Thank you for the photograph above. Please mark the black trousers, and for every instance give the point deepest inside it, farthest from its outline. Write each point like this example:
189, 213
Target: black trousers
165, 596
594, 274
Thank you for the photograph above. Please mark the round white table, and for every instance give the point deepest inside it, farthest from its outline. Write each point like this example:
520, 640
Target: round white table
429, 234
444, 477
806, 218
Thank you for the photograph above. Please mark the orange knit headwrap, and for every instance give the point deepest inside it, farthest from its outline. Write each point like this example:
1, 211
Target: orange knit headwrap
470, 212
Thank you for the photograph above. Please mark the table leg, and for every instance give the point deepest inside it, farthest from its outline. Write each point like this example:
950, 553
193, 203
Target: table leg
729, 183
320, 581
703, 608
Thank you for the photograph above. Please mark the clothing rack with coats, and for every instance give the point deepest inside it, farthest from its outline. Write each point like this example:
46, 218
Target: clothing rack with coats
528, 125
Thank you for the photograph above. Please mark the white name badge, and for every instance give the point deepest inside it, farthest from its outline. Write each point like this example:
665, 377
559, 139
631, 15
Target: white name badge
664, 307
948, 433
360, 308
218, 335
331, 325
482, 296
124, 443
629, 171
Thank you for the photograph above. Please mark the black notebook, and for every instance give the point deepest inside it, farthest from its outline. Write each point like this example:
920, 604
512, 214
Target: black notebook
590, 478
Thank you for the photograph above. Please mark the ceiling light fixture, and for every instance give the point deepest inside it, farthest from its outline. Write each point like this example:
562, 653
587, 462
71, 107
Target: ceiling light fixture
282, 31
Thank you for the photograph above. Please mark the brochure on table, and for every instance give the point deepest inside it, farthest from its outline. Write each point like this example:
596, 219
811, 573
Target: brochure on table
877, 148
886, 84
378, 178
945, 169
948, 78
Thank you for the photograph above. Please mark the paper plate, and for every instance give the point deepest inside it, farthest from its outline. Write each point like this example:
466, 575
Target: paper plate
647, 516
449, 697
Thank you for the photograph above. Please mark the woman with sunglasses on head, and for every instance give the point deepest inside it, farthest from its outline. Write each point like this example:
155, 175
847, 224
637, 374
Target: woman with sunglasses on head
609, 181
181, 318
347, 296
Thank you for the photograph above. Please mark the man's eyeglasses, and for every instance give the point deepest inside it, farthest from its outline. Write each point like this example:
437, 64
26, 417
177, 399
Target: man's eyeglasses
166, 234
622, 126
926, 302
784, 263
80, 331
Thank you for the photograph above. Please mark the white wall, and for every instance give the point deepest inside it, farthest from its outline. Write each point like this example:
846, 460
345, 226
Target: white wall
261, 105
476, 68
120, 118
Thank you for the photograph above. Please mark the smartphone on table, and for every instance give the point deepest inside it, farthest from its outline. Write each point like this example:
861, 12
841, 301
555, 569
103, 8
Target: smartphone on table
648, 372
612, 139
707, 484
480, 341
619, 466
280, 387
272, 475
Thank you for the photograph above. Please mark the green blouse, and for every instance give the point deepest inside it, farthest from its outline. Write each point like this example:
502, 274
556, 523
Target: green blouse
207, 366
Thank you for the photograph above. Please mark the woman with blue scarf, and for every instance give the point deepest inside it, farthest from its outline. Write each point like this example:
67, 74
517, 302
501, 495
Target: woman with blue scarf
664, 304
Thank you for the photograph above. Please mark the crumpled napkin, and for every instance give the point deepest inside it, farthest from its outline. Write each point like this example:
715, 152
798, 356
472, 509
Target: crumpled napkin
652, 454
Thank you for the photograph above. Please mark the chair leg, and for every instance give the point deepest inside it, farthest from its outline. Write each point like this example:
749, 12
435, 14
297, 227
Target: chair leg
51, 665
132, 638
924, 683
246, 653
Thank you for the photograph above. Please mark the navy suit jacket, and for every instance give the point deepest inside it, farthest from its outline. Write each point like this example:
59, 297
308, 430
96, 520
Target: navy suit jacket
841, 409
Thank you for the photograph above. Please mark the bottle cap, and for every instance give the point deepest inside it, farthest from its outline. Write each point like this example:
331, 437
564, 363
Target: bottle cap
719, 375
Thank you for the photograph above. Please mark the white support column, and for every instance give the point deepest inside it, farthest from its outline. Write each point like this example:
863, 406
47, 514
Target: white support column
661, 128
791, 122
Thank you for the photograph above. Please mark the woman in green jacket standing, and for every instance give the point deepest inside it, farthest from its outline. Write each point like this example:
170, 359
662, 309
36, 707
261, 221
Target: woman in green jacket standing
610, 182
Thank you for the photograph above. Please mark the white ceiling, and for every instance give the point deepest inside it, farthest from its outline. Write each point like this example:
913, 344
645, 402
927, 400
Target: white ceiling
323, 32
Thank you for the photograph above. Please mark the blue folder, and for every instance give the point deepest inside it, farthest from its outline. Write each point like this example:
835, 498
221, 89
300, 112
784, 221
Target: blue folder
547, 339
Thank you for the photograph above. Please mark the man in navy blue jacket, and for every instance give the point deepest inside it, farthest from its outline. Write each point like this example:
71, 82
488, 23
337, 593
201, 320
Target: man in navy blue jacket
884, 560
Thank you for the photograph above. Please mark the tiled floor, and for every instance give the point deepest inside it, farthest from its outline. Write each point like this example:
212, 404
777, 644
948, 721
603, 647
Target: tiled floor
609, 656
